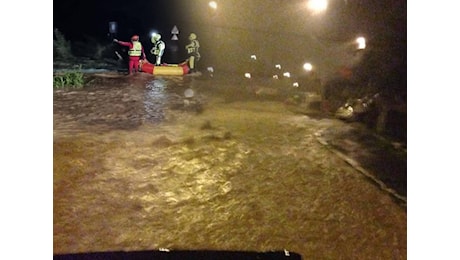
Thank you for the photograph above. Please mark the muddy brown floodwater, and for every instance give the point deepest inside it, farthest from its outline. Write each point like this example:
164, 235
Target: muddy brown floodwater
138, 166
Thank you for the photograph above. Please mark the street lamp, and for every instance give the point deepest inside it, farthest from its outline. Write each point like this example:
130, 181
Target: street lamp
361, 43
213, 5
307, 66
317, 6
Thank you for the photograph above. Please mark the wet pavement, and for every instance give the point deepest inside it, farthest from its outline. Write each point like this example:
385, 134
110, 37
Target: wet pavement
140, 166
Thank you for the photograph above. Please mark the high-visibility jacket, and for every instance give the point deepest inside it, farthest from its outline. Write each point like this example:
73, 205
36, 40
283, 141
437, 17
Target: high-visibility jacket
193, 47
136, 49
158, 48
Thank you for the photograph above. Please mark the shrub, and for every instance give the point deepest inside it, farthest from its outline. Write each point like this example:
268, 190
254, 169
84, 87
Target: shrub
69, 79
61, 47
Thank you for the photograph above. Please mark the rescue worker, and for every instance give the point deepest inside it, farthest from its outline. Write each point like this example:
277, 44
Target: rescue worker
136, 50
158, 48
193, 52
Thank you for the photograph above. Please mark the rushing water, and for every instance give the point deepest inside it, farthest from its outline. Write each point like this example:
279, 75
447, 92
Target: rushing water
189, 163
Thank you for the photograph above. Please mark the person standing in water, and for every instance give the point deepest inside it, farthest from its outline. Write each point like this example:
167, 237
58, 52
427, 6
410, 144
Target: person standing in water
193, 52
136, 50
158, 48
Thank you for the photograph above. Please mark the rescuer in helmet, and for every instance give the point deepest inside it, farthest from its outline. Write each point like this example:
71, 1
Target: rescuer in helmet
136, 50
192, 51
158, 48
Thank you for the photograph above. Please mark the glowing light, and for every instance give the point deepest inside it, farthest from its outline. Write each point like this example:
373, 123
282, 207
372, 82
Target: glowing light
247, 75
287, 74
213, 5
307, 66
317, 6
361, 43
278, 66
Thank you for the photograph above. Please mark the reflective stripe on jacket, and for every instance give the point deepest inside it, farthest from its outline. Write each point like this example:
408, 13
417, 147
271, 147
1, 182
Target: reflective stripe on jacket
136, 50
193, 47
159, 48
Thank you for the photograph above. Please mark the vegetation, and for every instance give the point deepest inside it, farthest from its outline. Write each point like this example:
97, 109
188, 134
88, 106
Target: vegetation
61, 47
69, 79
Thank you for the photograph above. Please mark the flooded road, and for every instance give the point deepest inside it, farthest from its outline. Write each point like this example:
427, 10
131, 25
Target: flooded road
141, 164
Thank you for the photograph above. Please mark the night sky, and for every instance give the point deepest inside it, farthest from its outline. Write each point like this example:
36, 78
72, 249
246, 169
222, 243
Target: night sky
78, 19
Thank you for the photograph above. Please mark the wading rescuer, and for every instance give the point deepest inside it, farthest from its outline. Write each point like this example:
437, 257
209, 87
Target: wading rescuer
192, 51
158, 48
136, 50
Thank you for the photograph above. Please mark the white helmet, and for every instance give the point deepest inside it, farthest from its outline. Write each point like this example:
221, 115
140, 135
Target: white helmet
155, 37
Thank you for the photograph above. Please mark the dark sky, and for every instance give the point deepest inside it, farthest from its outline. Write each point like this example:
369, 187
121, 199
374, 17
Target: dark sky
76, 18
82, 18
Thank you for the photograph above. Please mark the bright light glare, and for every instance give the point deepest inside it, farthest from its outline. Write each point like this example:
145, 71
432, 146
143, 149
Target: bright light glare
247, 75
213, 5
361, 43
317, 5
307, 66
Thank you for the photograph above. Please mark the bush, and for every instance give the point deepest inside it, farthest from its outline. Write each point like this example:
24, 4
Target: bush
61, 47
69, 79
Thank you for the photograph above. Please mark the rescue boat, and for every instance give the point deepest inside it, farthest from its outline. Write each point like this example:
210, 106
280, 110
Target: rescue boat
164, 69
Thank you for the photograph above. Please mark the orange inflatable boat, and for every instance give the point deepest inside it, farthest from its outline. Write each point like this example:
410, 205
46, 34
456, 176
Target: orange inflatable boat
164, 69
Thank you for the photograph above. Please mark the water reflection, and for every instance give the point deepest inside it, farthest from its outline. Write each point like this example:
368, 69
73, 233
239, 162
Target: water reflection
155, 99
